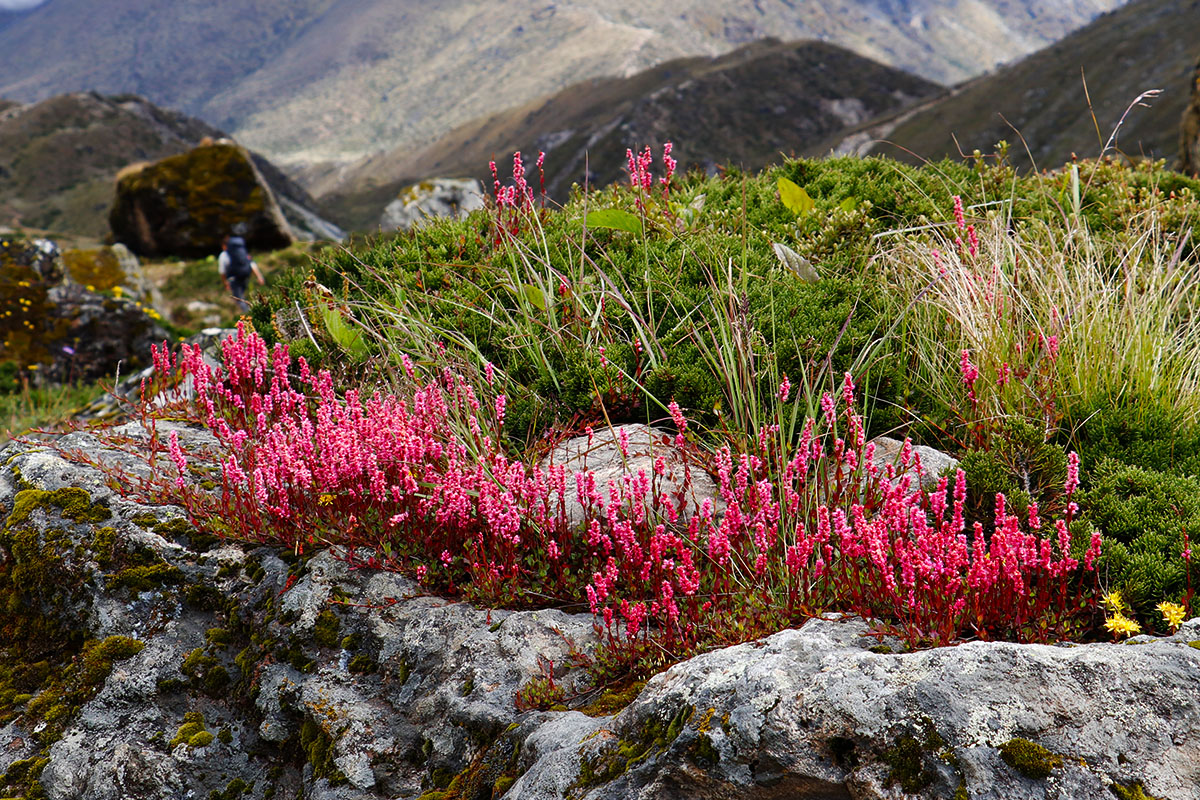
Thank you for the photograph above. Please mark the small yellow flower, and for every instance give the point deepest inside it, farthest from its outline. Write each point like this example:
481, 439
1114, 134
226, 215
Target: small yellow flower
325, 499
34, 366
23, 284
1120, 625
1113, 602
91, 288
1172, 614
117, 291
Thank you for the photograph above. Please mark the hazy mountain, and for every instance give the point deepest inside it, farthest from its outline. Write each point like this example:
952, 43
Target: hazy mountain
1147, 44
333, 80
743, 108
59, 159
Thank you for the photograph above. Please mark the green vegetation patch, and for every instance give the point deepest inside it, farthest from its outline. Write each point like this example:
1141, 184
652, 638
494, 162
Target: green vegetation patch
1029, 758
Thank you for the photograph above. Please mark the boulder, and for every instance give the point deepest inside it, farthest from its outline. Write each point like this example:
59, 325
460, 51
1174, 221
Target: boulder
145, 658
934, 463
58, 330
436, 197
106, 268
185, 205
1189, 130
684, 481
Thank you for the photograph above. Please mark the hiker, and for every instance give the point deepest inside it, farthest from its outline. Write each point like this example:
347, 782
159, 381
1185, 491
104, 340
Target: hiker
235, 266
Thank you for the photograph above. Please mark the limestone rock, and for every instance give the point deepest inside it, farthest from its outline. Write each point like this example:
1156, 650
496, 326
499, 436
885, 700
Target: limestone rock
934, 463
185, 205
815, 713
684, 482
1189, 130
436, 197
308, 678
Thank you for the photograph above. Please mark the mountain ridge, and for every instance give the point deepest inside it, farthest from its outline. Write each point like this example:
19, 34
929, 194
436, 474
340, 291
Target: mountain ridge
335, 80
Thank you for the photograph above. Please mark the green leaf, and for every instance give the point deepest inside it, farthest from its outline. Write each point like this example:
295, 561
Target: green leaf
849, 204
794, 198
534, 295
615, 219
349, 339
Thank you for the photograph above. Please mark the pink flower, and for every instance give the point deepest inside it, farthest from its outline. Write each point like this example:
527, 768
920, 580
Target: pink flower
785, 389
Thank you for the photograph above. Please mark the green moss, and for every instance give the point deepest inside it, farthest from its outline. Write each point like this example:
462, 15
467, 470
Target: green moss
613, 760
1195, 644
233, 790
193, 726
220, 637
73, 503
961, 792
203, 597
145, 578
361, 665
146, 521
1029, 758
99, 268
317, 744
1134, 791
703, 751
327, 629
201, 739
611, 701
225, 735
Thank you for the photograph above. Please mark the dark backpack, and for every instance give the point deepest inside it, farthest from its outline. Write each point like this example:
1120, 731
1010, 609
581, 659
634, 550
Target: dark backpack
239, 259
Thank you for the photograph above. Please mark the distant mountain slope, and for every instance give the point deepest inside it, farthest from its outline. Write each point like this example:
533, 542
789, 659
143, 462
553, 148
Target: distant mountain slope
333, 80
59, 159
1148, 44
742, 108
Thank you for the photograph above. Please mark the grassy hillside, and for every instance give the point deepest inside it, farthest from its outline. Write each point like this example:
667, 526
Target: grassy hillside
746, 108
1121, 54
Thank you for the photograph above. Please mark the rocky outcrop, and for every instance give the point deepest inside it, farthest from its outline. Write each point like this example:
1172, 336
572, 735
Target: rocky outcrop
106, 268
145, 658
186, 204
58, 330
430, 199
1189, 130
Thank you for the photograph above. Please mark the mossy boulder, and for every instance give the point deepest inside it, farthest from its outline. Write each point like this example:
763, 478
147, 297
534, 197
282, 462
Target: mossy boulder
104, 269
54, 329
184, 205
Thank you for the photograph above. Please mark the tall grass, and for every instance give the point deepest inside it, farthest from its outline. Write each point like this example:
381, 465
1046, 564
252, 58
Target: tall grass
1054, 319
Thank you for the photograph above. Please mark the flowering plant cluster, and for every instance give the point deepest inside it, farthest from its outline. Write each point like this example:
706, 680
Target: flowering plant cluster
515, 201
419, 483
641, 177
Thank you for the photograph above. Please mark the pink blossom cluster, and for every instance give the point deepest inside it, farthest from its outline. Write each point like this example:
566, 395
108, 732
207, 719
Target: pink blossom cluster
517, 199
640, 174
960, 221
420, 483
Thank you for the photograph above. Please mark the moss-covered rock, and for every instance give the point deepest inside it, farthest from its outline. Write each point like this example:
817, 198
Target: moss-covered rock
184, 205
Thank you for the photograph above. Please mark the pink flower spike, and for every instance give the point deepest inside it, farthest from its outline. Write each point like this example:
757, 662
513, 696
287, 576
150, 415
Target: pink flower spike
785, 389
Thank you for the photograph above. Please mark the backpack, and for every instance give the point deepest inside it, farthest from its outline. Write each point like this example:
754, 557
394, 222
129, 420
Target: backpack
239, 259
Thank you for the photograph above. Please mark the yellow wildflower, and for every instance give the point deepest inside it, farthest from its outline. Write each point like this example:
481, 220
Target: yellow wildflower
1172, 614
117, 291
1120, 625
91, 288
325, 499
1113, 602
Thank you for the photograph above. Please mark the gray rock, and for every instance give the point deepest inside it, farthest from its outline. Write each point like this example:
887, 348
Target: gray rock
934, 463
684, 482
813, 712
436, 197
352, 684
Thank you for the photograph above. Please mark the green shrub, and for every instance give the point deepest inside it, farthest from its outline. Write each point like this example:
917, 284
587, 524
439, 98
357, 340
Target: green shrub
1143, 515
